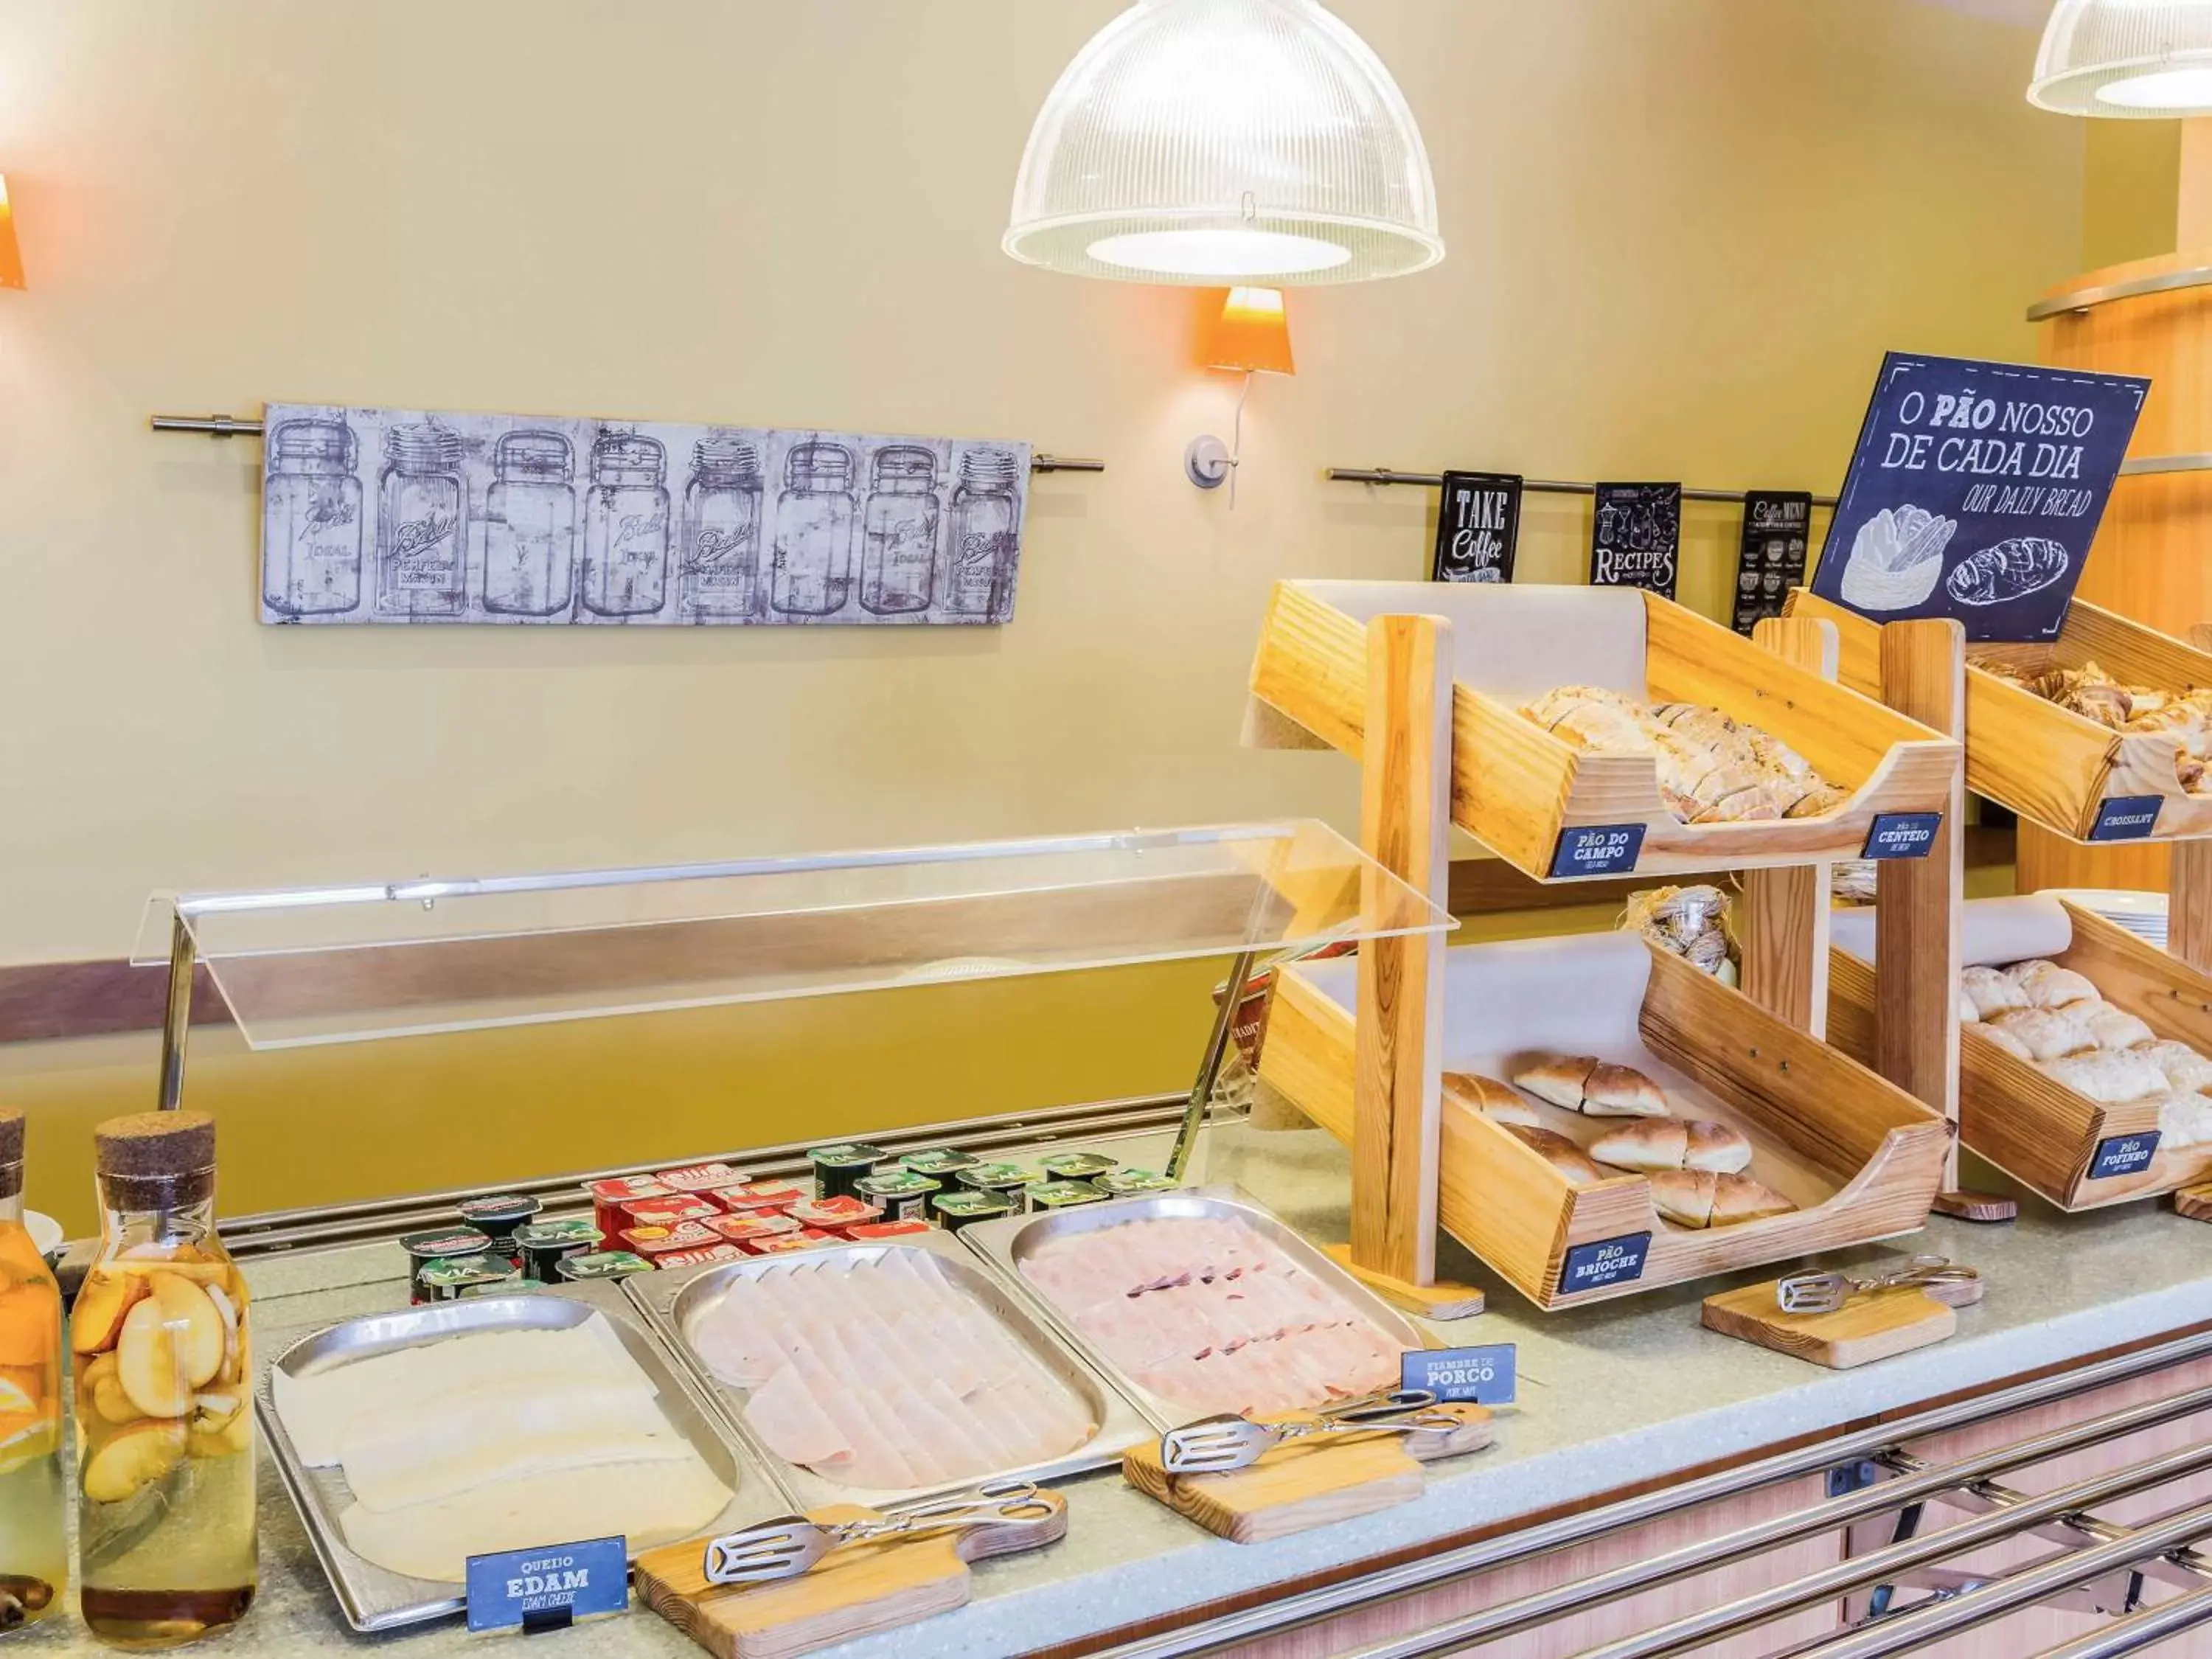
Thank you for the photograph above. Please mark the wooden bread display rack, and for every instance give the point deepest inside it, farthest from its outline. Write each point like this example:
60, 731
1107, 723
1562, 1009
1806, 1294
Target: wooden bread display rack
1382, 671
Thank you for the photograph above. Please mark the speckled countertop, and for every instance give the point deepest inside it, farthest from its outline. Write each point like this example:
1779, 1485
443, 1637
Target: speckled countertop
2059, 1286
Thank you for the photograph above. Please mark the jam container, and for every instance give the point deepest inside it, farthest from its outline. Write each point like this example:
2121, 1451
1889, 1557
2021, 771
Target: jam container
1127, 1183
936, 1162
880, 1232
424, 1248
519, 1286
835, 1215
760, 1197
1005, 1179
666, 1209
603, 1264
706, 1256
703, 1177
956, 1209
609, 1195
497, 1216
1080, 1166
653, 1243
1048, 1196
836, 1168
806, 1238
903, 1194
746, 1230
450, 1278
543, 1243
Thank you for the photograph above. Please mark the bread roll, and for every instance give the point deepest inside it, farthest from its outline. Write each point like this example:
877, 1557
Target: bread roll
2006, 1041
1684, 1197
2047, 985
1559, 1081
2047, 1033
1561, 1154
1992, 991
1621, 1091
1653, 1144
2184, 1119
1494, 1099
2113, 1028
2108, 1076
1968, 1014
2184, 1068
1739, 1198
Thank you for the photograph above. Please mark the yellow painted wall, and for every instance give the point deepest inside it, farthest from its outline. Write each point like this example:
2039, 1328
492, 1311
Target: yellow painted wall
2131, 185
1681, 233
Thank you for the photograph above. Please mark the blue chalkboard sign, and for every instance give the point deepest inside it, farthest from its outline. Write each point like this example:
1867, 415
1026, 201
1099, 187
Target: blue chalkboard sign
1975, 492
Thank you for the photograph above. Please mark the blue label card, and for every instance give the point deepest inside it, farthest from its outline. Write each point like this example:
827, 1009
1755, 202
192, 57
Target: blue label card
1485, 1376
538, 1586
1975, 492
1901, 835
1597, 849
1609, 1262
2123, 1155
2125, 818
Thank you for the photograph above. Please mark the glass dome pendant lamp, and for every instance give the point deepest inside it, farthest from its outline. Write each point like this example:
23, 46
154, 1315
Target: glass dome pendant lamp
2140, 59
1215, 142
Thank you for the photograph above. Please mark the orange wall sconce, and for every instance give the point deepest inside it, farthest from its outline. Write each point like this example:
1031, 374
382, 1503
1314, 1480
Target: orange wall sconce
1247, 332
11, 256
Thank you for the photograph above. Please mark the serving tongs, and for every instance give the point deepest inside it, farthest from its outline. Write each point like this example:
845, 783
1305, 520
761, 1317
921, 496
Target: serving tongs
1213, 1445
1823, 1293
787, 1546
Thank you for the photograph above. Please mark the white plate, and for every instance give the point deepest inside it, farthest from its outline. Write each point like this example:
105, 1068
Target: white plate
2143, 914
47, 1235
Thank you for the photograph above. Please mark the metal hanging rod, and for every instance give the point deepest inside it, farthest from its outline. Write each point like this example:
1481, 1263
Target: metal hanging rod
229, 426
1386, 475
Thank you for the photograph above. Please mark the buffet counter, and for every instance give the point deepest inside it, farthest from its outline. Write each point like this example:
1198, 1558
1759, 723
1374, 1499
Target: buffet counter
1612, 1398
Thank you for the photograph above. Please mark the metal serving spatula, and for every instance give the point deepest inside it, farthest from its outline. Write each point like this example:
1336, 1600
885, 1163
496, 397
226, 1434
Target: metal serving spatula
1214, 1444
788, 1546
1820, 1293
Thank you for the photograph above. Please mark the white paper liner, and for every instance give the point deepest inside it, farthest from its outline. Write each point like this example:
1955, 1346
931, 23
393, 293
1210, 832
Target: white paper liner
1515, 643
1992, 931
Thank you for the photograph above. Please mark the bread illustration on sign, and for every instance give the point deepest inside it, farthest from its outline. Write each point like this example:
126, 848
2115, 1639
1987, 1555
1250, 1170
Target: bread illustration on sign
1896, 559
1703, 1198
1596, 1088
2184, 716
1650, 1145
1711, 769
2010, 570
1494, 1100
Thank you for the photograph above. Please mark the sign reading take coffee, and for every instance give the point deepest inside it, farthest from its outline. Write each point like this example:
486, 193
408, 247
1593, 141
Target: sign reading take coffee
1637, 539
1478, 523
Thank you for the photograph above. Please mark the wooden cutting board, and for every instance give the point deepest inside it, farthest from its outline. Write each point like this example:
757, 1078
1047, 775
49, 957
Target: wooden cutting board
854, 1591
2195, 1202
1305, 1484
1865, 1329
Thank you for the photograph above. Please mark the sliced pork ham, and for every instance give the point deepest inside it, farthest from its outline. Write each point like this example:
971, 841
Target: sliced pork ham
1210, 1314
883, 1372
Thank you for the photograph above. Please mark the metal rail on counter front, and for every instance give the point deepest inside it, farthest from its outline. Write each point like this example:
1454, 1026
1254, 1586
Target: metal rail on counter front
230, 426
2097, 1549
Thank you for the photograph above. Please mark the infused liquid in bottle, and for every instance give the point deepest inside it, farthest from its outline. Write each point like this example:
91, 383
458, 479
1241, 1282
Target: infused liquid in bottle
165, 1426
33, 1541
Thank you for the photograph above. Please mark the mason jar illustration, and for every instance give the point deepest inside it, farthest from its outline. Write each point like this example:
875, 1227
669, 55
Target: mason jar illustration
530, 526
311, 520
626, 527
421, 524
719, 572
898, 532
812, 574
979, 554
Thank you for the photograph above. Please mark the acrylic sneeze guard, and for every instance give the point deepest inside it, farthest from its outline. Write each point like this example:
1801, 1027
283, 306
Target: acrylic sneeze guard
339, 964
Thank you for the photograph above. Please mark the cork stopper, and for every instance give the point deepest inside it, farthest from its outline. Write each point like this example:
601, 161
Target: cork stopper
155, 1159
11, 1151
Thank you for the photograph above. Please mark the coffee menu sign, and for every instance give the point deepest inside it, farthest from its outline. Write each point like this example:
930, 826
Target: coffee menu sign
1975, 493
1637, 541
1776, 523
1478, 524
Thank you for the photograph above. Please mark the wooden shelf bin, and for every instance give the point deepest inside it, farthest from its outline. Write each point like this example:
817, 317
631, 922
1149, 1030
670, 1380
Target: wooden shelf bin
2048, 763
2044, 1135
1516, 787
1861, 1158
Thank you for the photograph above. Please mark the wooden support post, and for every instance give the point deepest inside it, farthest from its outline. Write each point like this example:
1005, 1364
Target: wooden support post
1916, 924
1404, 822
1784, 917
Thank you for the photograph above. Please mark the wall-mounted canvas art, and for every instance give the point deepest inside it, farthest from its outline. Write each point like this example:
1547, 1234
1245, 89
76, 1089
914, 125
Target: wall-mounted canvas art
386, 515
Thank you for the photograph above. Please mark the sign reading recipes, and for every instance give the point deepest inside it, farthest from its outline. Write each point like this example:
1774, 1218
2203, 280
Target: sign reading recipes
1975, 492
1638, 539
1776, 523
1477, 523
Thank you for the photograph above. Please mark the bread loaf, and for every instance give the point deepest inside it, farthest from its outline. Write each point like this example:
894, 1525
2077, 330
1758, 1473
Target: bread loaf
2047, 985
1494, 1099
2108, 1076
1700, 1198
1621, 1091
1653, 1144
2184, 1068
2184, 1119
2006, 1041
1992, 991
2113, 1028
1559, 1081
2046, 1033
1561, 1154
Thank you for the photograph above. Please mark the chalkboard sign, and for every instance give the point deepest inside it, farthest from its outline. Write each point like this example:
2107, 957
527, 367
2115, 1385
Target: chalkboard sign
1638, 539
1975, 492
1776, 523
1478, 523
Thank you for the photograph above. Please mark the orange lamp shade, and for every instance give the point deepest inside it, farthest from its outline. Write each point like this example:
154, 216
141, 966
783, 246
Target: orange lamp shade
11, 257
1246, 329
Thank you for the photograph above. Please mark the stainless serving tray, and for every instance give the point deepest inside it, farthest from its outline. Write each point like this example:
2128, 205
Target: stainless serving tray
1005, 1244
373, 1599
672, 1301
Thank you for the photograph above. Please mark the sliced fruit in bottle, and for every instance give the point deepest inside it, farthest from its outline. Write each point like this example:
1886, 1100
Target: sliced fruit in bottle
151, 1365
136, 1457
197, 1328
219, 1425
111, 1403
102, 1305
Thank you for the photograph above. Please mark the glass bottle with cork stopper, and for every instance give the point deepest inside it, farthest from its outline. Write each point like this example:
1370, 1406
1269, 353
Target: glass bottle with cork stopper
165, 1461
33, 1539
